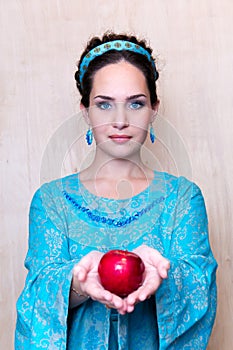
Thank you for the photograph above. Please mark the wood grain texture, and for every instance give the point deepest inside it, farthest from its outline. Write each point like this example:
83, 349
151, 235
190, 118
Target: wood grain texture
39, 105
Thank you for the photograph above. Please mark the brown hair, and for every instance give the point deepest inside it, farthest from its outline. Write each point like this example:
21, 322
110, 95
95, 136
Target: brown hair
113, 56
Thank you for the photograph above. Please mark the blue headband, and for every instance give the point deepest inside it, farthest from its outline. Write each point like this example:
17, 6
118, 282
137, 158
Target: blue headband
118, 45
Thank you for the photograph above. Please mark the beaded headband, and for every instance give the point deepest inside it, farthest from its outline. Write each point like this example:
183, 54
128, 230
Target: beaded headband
118, 45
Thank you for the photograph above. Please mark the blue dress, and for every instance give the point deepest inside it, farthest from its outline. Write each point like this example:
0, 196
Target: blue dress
67, 222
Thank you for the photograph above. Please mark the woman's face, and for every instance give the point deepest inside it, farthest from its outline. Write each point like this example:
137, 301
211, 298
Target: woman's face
120, 110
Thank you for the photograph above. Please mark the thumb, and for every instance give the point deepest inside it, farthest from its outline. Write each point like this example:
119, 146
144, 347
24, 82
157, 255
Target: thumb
86, 264
161, 263
80, 272
163, 267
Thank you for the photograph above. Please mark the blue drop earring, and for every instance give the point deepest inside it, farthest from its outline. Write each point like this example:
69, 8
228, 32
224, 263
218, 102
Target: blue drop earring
89, 136
152, 134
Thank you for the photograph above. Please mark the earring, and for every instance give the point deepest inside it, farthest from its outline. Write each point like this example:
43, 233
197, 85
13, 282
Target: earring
89, 136
152, 134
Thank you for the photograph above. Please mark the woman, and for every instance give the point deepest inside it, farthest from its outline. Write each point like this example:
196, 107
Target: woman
117, 203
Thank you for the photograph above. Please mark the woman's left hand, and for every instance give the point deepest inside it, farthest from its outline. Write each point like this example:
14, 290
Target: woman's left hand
156, 269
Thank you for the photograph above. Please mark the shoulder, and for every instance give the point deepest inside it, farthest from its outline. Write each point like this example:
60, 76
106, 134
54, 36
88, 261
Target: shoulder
183, 197
57, 187
178, 185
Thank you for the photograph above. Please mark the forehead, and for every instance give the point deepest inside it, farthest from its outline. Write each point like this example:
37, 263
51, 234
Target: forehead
119, 77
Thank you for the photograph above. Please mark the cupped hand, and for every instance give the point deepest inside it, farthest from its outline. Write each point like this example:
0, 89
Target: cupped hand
156, 269
86, 281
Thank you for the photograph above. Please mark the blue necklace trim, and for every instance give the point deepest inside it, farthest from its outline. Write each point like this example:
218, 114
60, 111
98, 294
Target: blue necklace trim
118, 222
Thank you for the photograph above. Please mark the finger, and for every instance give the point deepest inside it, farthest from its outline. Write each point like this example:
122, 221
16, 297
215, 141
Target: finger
122, 312
86, 264
80, 272
130, 308
133, 298
97, 292
123, 309
91, 260
149, 288
117, 302
145, 293
105, 297
163, 267
161, 263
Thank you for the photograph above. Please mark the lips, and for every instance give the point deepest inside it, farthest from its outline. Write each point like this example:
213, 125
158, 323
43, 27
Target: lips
120, 138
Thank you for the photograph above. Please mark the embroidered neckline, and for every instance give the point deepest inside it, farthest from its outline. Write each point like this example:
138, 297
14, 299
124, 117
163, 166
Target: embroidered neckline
92, 197
118, 222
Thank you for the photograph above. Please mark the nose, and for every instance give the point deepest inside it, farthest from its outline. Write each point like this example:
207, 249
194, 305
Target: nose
120, 118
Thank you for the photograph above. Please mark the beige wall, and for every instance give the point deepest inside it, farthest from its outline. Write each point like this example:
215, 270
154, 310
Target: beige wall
40, 41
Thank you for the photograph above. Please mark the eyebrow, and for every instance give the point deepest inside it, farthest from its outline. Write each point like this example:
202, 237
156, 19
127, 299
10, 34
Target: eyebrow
132, 97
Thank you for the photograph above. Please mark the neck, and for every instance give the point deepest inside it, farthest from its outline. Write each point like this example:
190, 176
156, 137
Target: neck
116, 178
117, 169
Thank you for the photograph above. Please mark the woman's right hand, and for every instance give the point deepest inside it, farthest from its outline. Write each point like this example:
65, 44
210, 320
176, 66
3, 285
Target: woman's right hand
86, 281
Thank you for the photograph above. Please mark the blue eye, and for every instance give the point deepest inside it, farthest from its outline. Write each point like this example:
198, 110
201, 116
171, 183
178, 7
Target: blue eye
104, 105
136, 105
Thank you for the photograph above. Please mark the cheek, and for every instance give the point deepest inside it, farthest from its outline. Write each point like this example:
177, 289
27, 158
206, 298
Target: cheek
99, 130
141, 124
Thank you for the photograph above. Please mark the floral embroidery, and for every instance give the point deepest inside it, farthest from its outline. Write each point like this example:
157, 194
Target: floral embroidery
60, 235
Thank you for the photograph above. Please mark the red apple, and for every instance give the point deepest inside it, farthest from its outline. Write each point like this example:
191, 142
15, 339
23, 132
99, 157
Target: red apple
121, 272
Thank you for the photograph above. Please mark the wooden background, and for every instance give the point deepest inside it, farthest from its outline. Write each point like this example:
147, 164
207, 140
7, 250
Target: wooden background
40, 42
